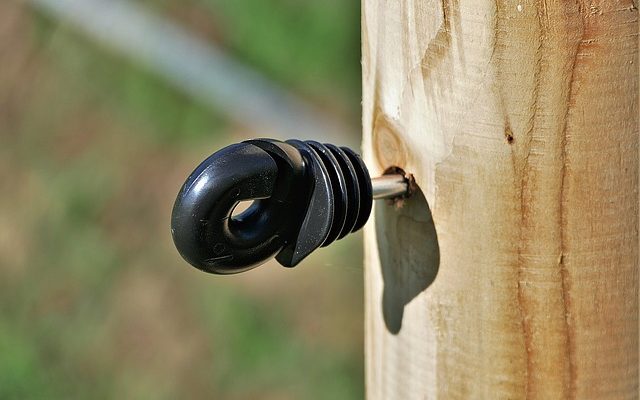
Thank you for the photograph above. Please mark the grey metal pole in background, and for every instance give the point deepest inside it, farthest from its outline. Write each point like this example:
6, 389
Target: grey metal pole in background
199, 69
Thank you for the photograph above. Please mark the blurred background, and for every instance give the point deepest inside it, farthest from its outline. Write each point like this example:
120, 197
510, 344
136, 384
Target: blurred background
105, 107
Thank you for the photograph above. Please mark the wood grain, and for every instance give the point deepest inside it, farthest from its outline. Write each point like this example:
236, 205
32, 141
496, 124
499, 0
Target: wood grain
519, 122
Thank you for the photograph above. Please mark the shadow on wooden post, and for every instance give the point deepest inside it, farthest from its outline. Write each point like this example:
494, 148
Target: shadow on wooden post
413, 264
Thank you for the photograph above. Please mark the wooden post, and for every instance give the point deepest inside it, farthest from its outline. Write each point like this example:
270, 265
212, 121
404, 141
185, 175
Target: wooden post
519, 122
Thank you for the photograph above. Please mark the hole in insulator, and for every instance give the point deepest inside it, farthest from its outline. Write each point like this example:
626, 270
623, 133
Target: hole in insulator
240, 208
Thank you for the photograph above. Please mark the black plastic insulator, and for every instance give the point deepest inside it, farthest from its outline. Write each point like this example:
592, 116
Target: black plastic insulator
305, 195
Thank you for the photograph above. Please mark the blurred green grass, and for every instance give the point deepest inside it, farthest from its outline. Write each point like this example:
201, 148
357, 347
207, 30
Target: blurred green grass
94, 301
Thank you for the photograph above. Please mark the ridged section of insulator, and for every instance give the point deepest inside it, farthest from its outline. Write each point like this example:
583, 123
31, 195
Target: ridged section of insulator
351, 186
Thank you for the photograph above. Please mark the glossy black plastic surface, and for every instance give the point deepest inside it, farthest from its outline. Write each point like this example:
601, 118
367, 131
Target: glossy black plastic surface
306, 195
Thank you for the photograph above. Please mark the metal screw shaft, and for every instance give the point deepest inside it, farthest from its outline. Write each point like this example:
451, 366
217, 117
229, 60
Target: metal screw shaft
389, 186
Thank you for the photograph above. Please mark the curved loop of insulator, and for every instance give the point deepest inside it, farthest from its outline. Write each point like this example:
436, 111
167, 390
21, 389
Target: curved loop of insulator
305, 194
